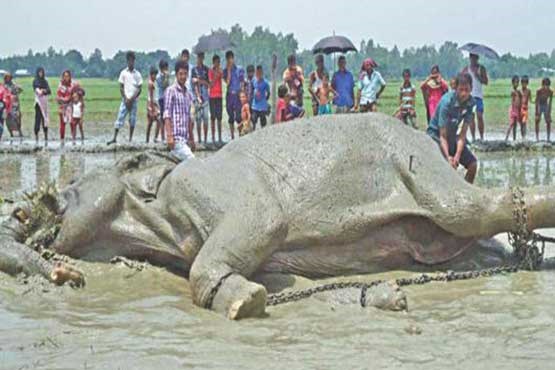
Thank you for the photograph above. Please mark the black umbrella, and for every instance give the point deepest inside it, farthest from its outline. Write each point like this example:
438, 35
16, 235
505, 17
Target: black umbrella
479, 49
333, 44
213, 42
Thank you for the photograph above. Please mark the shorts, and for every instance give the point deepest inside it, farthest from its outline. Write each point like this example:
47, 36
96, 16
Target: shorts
368, 107
233, 107
182, 151
216, 108
479, 105
259, 115
408, 117
123, 112
201, 112
467, 157
324, 109
524, 115
514, 115
342, 109
543, 109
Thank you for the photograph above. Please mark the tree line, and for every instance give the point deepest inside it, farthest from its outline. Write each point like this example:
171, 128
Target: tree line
258, 46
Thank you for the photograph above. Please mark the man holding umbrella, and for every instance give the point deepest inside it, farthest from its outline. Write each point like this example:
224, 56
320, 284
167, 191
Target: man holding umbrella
479, 79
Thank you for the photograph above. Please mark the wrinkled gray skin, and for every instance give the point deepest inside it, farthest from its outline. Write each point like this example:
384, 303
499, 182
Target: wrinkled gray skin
323, 197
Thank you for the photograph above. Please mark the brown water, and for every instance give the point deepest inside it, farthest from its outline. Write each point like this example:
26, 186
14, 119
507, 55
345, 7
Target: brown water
145, 320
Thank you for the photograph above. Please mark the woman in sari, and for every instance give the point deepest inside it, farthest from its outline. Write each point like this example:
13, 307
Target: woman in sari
13, 118
63, 97
433, 88
42, 91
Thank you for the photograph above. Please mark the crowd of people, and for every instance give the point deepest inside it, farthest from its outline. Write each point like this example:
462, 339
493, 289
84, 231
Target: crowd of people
196, 98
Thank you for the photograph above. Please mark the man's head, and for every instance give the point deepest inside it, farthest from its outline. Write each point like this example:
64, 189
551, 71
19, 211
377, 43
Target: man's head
342, 63
185, 55
406, 75
250, 71
435, 70
463, 86
474, 59
200, 59
181, 72
319, 61
524, 81
515, 80
8, 78
229, 57
259, 72
368, 65
130, 57
546, 82
216, 60
292, 61
243, 98
163, 65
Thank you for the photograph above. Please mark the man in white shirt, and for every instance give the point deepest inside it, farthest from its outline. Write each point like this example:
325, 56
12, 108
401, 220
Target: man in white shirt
479, 80
131, 82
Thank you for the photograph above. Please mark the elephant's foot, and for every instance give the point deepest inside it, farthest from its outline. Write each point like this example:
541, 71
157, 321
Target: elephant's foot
62, 273
387, 296
237, 298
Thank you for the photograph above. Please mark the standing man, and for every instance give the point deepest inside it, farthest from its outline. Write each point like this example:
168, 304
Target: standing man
449, 125
344, 83
261, 94
293, 78
315, 80
130, 82
370, 87
201, 96
177, 115
185, 57
479, 79
234, 77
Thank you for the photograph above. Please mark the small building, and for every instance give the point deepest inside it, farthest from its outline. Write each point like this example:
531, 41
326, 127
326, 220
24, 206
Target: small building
22, 73
3, 72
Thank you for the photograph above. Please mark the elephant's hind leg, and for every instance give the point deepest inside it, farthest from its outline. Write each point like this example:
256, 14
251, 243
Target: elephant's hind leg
241, 242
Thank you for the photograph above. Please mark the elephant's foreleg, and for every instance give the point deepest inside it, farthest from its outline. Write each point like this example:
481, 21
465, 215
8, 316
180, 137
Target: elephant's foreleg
241, 242
16, 258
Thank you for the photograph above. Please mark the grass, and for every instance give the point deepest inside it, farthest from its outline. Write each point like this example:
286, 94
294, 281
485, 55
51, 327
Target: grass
103, 99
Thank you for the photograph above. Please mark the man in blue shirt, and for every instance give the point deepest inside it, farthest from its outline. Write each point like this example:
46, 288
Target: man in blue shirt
234, 76
261, 94
449, 125
199, 77
344, 83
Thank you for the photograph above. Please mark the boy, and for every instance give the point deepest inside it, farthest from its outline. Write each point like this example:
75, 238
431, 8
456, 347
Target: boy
162, 83
261, 94
526, 97
292, 110
215, 94
323, 94
234, 77
152, 107
544, 99
131, 83
249, 88
516, 107
201, 96
281, 105
407, 99
245, 126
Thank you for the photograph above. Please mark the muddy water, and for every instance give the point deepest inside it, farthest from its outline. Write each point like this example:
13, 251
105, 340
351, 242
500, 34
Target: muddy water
145, 320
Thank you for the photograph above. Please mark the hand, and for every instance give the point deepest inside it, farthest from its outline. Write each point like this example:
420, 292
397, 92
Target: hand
452, 162
171, 142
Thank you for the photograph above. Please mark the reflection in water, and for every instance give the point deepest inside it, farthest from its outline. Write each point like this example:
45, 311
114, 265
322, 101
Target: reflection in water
23, 173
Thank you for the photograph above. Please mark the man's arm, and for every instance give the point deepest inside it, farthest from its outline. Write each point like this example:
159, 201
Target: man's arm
122, 92
168, 124
380, 92
461, 142
138, 93
444, 144
484, 79
550, 101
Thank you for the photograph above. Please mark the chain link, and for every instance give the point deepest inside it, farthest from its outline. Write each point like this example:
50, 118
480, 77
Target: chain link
525, 249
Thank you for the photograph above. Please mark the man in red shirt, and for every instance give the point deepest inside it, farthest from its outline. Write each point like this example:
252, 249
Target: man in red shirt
215, 93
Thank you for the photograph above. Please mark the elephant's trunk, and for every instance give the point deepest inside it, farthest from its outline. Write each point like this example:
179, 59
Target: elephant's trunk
538, 201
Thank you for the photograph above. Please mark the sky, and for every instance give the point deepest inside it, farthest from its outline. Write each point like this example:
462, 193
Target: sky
517, 26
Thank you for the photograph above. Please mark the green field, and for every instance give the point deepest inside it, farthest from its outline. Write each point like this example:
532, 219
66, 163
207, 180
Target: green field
102, 102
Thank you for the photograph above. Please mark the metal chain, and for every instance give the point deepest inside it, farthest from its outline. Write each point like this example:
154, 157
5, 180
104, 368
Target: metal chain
214, 291
525, 249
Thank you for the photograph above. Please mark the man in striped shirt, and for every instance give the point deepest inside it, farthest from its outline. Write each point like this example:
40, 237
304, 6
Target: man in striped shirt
177, 115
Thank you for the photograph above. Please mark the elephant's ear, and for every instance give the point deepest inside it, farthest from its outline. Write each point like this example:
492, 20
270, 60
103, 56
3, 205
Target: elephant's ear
143, 173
